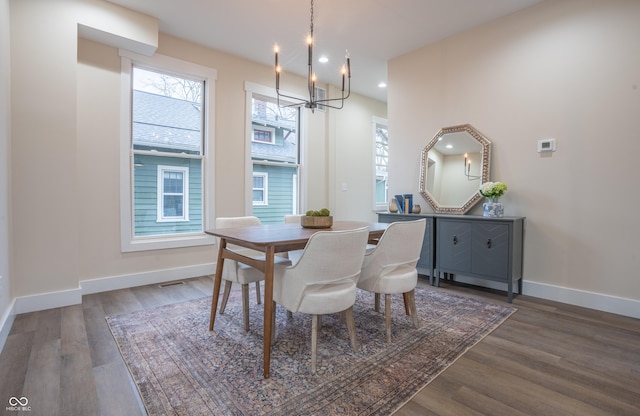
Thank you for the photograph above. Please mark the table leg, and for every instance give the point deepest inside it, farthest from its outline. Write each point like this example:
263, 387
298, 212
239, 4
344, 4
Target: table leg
268, 307
216, 283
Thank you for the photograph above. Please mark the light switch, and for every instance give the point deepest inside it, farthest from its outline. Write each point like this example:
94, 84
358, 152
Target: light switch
344, 186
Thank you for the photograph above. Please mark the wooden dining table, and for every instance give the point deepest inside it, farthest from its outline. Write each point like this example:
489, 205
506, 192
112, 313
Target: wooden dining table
270, 239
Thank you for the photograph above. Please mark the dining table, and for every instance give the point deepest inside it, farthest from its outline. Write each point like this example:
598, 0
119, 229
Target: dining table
270, 239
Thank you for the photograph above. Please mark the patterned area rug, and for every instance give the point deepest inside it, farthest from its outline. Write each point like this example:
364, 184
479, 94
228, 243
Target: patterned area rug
181, 368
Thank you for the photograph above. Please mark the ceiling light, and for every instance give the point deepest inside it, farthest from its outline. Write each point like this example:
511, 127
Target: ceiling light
312, 102
382, 85
323, 59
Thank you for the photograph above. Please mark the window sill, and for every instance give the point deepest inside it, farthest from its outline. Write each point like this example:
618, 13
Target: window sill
166, 242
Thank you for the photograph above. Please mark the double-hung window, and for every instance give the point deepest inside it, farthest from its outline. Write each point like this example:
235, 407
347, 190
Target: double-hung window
380, 163
166, 163
275, 155
173, 194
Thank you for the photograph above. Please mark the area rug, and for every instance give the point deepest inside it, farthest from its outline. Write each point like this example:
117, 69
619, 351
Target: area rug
181, 368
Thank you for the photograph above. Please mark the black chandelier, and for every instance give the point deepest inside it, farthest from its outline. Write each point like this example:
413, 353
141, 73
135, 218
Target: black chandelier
312, 102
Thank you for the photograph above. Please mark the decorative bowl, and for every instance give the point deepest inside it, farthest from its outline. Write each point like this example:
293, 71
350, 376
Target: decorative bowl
316, 222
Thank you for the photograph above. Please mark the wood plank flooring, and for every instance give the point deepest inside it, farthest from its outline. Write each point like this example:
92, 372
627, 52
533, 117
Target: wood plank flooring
547, 359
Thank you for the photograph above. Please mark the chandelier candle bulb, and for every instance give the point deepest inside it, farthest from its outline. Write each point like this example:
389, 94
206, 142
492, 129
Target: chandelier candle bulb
276, 49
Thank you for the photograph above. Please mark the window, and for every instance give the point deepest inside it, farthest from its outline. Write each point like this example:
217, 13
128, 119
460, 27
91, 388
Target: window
173, 197
260, 188
264, 135
275, 164
381, 163
164, 163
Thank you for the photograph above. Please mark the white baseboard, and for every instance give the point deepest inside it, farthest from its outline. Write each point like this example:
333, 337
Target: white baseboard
592, 300
40, 302
6, 323
597, 301
145, 278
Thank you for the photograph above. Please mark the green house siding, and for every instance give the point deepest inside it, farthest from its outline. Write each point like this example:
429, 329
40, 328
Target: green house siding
280, 193
145, 196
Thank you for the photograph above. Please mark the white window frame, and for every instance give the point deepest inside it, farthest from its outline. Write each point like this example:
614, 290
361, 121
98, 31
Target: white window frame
375, 122
265, 188
162, 169
128, 241
271, 130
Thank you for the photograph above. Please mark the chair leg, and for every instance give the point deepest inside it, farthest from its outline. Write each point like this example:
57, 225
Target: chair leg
405, 297
376, 302
351, 327
314, 342
273, 324
258, 299
412, 306
245, 305
387, 315
225, 295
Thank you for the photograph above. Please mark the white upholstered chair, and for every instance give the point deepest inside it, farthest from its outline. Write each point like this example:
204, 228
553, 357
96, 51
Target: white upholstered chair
294, 256
236, 272
324, 280
390, 267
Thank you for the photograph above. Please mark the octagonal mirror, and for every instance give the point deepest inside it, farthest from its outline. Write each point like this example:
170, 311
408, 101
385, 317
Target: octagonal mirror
453, 166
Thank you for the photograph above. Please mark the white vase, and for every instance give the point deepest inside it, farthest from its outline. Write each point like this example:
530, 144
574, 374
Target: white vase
492, 208
393, 205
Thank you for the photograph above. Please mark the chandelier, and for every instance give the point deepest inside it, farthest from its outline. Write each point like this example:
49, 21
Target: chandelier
312, 101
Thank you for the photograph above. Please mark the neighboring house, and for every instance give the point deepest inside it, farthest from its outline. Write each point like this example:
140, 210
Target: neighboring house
167, 190
274, 142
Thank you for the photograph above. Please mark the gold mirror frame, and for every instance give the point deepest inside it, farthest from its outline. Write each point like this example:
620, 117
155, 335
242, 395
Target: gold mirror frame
482, 177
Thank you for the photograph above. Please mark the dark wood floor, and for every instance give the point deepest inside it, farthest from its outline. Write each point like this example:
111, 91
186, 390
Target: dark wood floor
546, 359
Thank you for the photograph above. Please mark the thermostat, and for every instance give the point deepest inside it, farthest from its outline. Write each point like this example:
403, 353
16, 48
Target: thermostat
546, 145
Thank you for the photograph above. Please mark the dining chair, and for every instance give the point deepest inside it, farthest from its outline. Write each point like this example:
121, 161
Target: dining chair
390, 267
323, 281
236, 272
294, 255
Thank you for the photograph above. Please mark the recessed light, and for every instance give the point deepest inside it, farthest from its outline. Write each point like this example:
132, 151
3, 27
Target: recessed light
449, 146
323, 60
382, 85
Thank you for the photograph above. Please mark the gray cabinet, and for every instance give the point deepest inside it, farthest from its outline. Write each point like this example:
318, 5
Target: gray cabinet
484, 248
474, 246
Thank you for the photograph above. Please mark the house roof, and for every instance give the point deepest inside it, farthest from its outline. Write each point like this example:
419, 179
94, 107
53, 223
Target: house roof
165, 123
168, 124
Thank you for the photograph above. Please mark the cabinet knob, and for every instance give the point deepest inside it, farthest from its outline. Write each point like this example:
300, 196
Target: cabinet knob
455, 240
488, 243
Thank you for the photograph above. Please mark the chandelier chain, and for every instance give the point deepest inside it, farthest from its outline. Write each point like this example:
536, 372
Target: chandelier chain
311, 25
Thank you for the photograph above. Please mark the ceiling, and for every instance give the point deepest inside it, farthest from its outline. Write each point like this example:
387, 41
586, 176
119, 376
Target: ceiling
373, 31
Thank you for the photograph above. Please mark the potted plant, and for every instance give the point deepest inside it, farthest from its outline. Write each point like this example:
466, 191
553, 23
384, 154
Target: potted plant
317, 219
493, 191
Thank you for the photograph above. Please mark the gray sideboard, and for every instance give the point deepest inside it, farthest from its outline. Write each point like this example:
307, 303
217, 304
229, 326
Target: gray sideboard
469, 245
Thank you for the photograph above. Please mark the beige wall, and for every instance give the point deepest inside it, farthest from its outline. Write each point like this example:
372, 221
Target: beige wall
5, 161
66, 228
564, 69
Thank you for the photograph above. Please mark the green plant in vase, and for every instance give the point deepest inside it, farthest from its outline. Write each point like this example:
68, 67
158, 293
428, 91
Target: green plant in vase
493, 190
